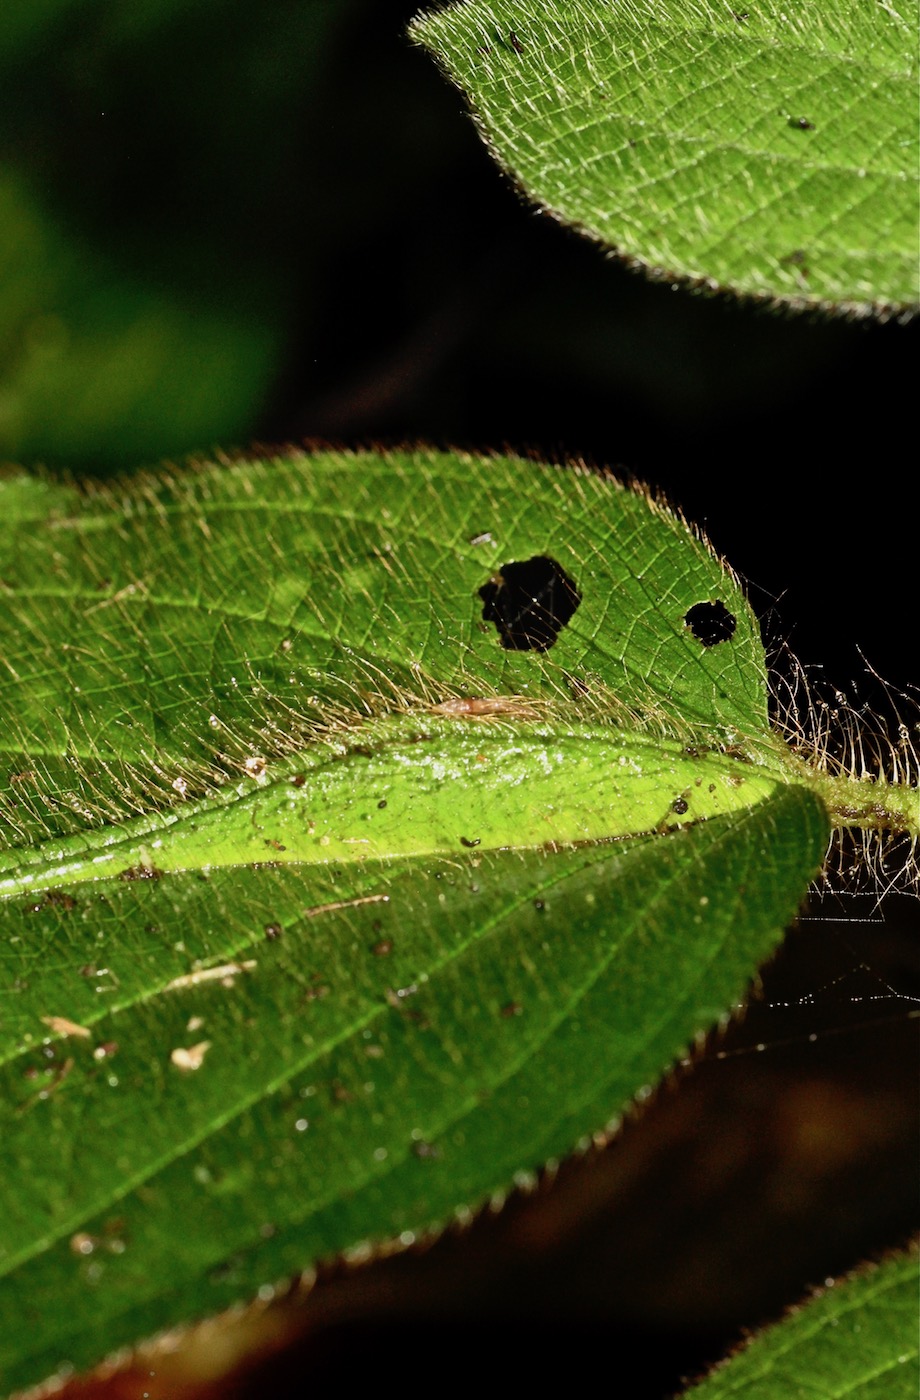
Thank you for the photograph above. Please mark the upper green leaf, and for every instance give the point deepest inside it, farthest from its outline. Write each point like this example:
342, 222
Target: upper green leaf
765, 149
373, 828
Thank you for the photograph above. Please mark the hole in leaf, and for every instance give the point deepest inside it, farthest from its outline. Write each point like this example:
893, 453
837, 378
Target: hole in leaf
530, 602
711, 623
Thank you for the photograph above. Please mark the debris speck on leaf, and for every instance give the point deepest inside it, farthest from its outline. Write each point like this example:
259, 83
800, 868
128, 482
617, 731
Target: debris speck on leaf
224, 973
60, 1025
190, 1058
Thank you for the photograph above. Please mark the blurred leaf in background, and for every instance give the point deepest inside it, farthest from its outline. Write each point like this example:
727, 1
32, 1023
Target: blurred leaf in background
153, 219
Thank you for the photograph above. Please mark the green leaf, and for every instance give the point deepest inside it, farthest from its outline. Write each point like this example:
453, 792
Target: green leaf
148, 262
347, 871
768, 150
99, 365
857, 1338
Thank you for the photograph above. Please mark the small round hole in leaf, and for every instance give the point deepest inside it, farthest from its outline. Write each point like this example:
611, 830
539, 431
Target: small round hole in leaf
530, 602
711, 623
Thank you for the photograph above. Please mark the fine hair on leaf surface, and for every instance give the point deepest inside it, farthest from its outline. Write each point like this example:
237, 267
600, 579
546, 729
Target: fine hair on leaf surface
663, 133
353, 867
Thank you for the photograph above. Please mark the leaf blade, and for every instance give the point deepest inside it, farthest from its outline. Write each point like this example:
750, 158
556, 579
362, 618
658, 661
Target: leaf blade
767, 152
605, 825
487, 1085
375, 549
856, 1338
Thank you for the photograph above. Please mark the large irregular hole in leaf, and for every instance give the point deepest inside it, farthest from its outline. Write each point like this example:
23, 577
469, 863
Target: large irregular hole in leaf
711, 623
530, 602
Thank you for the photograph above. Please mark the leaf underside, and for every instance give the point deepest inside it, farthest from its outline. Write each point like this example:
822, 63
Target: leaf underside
374, 1032
768, 150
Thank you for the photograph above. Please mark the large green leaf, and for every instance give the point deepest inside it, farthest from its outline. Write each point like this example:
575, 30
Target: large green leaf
768, 149
857, 1340
346, 875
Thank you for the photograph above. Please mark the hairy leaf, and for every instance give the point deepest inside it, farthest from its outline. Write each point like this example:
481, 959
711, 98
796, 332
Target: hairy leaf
857, 1340
772, 150
373, 828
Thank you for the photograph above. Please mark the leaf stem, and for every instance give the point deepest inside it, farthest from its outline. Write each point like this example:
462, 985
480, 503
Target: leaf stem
869, 803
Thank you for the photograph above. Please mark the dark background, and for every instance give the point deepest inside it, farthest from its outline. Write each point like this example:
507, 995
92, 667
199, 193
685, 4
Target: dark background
294, 207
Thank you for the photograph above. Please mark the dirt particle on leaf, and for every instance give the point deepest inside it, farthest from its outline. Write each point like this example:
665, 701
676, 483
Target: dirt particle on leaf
513, 706
801, 124
54, 899
470, 842
225, 973
273, 931
106, 1050
58, 1075
140, 872
511, 1008
61, 1025
711, 623
383, 948
318, 990
60, 899
680, 805
395, 996
191, 1057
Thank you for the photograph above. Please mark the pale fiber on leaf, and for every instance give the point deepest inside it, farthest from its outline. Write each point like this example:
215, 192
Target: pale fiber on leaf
769, 149
364, 909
